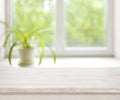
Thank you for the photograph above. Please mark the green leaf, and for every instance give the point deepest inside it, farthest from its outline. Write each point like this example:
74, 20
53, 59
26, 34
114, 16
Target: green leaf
37, 30
42, 46
10, 52
53, 55
6, 24
6, 39
42, 54
30, 33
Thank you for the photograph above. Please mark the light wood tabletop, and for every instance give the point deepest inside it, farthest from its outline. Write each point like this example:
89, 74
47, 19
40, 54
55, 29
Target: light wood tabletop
59, 80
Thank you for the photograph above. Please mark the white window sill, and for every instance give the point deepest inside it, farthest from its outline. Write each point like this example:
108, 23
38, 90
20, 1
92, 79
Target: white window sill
83, 62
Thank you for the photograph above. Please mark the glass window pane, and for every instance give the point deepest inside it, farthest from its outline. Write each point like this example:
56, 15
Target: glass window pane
30, 14
86, 23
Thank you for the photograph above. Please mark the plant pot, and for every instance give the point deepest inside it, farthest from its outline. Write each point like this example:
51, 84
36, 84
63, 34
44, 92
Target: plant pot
26, 56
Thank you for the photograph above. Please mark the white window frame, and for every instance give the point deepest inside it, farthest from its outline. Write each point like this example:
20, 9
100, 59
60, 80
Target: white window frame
60, 32
89, 51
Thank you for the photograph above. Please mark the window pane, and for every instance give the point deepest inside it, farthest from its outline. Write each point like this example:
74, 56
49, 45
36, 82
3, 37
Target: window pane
86, 23
29, 14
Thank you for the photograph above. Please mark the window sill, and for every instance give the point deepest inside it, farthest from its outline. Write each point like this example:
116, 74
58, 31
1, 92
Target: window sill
73, 62
95, 76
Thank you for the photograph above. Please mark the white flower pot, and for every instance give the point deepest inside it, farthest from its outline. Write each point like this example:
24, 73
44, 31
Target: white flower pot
26, 56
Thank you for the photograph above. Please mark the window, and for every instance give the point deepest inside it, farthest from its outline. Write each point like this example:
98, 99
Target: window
33, 13
79, 27
86, 23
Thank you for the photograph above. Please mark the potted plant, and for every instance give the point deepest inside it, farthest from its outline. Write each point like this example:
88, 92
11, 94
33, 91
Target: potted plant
26, 41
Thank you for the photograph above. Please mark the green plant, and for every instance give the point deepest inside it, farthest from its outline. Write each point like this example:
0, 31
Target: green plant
16, 37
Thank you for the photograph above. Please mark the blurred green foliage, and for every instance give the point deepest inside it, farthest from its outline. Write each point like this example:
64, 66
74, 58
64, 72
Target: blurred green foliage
85, 23
31, 13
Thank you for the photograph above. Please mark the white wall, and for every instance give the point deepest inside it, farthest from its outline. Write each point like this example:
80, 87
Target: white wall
2, 9
2, 28
117, 29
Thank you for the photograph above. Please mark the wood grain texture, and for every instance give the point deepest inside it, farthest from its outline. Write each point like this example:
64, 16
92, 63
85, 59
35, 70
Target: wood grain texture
60, 81
59, 97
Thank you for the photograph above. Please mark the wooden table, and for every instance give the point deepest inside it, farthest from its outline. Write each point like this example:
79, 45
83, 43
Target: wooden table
62, 83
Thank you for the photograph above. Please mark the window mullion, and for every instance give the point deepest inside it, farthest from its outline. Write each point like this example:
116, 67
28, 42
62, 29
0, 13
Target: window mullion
60, 26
